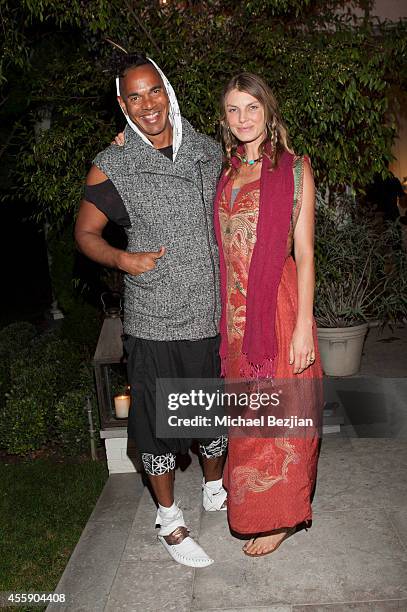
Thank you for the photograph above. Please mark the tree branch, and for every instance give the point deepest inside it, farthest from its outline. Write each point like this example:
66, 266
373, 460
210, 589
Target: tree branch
141, 25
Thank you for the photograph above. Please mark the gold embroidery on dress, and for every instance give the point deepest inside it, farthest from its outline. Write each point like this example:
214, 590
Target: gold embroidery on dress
239, 239
246, 478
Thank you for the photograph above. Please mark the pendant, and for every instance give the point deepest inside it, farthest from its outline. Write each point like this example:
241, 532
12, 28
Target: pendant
250, 162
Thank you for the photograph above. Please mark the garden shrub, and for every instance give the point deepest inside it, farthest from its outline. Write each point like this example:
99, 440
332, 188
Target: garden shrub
81, 325
24, 423
13, 339
71, 422
71, 419
46, 381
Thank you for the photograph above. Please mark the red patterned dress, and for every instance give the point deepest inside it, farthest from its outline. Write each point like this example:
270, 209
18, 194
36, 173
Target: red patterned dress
269, 480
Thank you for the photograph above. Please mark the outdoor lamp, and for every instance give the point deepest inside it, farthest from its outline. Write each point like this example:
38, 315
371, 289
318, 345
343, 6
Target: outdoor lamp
110, 373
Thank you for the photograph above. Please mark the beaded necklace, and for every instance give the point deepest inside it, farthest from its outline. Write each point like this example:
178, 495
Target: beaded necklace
251, 162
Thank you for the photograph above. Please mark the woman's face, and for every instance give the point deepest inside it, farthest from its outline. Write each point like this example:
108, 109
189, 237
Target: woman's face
245, 116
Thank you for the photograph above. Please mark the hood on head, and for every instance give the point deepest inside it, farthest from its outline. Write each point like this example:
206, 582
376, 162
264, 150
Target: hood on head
174, 113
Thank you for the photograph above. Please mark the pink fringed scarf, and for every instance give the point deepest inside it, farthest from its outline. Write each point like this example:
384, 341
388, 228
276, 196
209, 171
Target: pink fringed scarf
269, 253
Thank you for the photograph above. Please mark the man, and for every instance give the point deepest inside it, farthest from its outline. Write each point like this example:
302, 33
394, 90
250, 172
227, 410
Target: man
160, 186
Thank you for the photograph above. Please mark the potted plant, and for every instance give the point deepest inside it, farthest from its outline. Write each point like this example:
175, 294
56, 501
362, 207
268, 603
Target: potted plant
360, 277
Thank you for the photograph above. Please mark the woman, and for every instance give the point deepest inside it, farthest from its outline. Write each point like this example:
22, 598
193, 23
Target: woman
264, 214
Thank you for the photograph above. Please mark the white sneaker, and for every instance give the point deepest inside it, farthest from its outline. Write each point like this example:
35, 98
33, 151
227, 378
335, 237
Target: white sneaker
182, 548
213, 500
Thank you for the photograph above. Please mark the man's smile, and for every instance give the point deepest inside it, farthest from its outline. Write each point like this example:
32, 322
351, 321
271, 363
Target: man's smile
151, 117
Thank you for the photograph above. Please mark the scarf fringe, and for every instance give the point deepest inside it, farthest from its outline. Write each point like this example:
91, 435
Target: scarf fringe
252, 371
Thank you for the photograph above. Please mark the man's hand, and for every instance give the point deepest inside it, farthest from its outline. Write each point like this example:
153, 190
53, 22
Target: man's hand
137, 263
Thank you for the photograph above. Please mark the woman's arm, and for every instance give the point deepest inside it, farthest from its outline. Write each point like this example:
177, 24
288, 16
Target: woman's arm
302, 344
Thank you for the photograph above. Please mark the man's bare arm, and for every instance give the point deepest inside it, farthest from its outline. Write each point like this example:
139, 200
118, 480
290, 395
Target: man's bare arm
88, 235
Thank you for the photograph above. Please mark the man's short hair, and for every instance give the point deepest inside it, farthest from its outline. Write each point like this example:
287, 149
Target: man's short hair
126, 61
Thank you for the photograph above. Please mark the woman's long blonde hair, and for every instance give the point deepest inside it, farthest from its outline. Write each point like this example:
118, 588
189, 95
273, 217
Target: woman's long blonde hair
276, 132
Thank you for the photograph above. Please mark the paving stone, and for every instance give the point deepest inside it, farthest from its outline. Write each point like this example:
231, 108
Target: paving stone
85, 589
89, 575
373, 406
92, 567
379, 446
101, 544
360, 480
152, 587
119, 499
384, 353
399, 521
340, 559
360, 606
273, 608
335, 442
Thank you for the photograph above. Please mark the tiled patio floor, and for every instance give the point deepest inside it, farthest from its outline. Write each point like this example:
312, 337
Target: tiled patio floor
353, 558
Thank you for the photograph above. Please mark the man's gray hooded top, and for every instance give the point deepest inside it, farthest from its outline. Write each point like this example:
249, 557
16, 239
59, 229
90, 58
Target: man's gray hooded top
170, 204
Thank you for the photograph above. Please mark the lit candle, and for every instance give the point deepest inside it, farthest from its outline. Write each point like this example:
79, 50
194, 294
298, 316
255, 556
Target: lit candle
121, 406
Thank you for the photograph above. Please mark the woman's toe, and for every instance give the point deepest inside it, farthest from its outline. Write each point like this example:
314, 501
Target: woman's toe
258, 549
248, 546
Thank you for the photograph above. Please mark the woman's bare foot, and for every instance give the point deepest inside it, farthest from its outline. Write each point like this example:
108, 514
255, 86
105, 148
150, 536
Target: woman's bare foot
263, 545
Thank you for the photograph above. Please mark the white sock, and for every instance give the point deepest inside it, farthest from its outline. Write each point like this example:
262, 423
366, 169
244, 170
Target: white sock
166, 511
166, 515
214, 485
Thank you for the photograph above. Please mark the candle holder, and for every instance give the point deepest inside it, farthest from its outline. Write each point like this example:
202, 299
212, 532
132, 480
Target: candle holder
110, 373
122, 404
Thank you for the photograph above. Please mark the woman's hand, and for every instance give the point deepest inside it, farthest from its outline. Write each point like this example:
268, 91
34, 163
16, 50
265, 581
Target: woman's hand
119, 140
302, 350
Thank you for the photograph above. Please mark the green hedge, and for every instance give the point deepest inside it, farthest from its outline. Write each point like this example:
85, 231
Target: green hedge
72, 423
46, 380
13, 339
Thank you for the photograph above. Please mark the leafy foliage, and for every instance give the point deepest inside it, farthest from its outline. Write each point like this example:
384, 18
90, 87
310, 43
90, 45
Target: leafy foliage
333, 75
43, 395
361, 269
13, 339
72, 425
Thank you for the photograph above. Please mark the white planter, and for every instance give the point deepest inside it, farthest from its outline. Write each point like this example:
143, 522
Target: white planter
341, 349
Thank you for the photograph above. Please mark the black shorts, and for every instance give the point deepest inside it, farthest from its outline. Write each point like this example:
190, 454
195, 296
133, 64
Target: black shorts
151, 359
